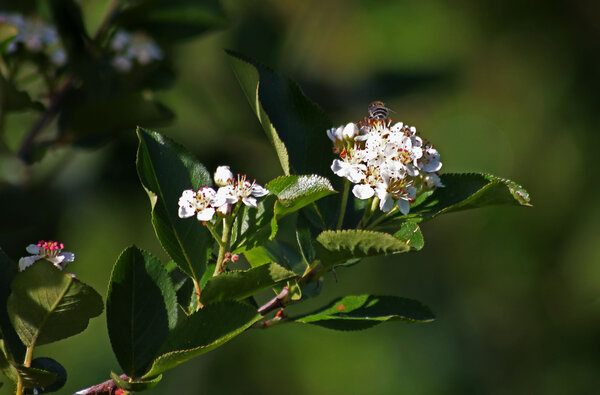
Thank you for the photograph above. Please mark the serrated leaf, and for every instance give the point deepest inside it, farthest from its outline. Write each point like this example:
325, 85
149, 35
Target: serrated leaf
338, 246
166, 170
296, 192
12, 345
135, 385
170, 20
47, 304
365, 311
410, 233
141, 308
203, 331
45, 375
254, 226
239, 284
465, 191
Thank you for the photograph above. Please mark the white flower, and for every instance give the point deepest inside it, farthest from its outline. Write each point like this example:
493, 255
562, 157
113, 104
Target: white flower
243, 190
198, 203
51, 251
430, 162
350, 131
223, 176
353, 172
432, 181
130, 47
336, 134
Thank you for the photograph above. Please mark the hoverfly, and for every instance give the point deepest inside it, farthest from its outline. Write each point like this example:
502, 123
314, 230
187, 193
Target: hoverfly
378, 111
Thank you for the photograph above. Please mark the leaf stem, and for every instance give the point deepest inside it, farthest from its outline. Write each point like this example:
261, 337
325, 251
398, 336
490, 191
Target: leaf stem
368, 212
225, 238
344, 204
26, 363
382, 218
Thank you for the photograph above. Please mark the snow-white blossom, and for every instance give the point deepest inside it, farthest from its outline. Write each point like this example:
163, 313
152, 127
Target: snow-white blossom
390, 162
51, 251
199, 203
243, 190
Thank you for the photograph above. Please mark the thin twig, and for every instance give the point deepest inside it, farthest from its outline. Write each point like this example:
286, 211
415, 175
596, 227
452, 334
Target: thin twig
108, 386
275, 303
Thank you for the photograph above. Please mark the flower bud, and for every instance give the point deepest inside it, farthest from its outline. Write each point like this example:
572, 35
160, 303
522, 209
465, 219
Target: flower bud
350, 131
223, 176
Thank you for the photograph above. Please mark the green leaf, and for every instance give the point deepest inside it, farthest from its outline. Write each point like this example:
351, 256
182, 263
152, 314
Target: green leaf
47, 304
203, 331
13, 346
296, 192
410, 233
8, 367
7, 33
365, 311
166, 170
254, 226
335, 247
135, 385
304, 237
239, 284
12, 99
465, 191
294, 125
45, 375
278, 252
141, 308
169, 20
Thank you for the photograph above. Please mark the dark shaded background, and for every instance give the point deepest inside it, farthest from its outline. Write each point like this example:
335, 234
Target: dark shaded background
501, 87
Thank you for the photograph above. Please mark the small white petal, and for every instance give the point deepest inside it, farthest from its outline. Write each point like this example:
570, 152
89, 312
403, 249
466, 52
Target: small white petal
259, 191
223, 176
185, 212
404, 206
350, 131
249, 201
56, 260
33, 249
27, 261
68, 256
206, 214
363, 191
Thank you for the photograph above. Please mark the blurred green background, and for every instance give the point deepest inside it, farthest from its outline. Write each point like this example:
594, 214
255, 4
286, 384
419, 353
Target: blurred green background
509, 88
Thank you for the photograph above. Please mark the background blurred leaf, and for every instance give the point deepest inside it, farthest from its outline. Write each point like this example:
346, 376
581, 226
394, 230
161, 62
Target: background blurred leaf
47, 304
335, 247
169, 20
166, 170
12, 344
365, 311
12, 99
203, 331
239, 284
141, 308
7, 33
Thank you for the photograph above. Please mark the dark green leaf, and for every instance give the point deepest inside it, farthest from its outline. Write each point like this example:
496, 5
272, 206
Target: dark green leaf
8, 367
239, 284
465, 191
294, 124
169, 20
254, 226
135, 385
278, 252
45, 375
203, 331
13, 346
338, 246
365, 311
296, 192
304, 237
166, 170
47, 304
141, 308
410, 233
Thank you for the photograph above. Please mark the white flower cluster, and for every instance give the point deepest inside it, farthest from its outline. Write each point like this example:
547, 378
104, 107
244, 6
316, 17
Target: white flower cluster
51, 251
390, 162
130, 47
205, 202
35, 36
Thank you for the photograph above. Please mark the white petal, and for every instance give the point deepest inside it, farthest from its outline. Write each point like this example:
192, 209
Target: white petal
223, 176
68, 256
363, 191
404, 206
185, 212
386, 203
224, 209
206, 214
259, 191
350, 131
56, 260
33, 249
27, 261
338, 167
249, 201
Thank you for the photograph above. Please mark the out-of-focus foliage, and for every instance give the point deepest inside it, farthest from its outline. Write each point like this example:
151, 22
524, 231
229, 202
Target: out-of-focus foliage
508, 88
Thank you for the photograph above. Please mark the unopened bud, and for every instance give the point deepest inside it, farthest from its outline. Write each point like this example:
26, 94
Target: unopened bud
223, 176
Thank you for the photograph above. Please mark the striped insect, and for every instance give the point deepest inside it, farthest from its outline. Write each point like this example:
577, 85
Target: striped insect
378, 111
